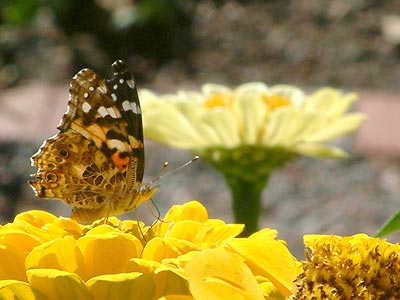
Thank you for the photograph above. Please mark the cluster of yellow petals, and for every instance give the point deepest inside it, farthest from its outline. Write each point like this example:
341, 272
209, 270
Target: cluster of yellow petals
184, 256
252, 114
357, 267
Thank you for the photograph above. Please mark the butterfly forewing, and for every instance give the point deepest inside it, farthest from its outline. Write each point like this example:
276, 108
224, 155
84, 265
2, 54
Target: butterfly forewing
96, 162
124, 93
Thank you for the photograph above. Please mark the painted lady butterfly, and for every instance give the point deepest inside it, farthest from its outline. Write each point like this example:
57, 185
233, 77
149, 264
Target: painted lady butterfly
96, 162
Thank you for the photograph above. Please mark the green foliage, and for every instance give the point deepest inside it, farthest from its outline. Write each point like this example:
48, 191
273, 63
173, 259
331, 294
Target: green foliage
392, 225
18, 12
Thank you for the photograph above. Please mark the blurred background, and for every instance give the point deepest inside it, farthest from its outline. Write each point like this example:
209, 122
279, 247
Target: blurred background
171, 45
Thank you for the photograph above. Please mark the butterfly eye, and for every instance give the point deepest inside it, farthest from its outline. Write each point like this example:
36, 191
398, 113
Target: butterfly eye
51, 177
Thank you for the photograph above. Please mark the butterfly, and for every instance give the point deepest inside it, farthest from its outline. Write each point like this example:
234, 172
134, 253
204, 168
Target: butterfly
96, 161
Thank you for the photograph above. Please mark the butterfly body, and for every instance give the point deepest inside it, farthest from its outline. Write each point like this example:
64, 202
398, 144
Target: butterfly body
96, 162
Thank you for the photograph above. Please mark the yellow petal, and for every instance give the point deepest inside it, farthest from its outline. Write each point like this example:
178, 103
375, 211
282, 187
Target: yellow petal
61, 254
219, 274
71, 226
169, 282
269, 290
108, 253
12, 262
265, 233
220, 233
158, 249
17, 290
188, 230
101, 229
141, 265
192, 210
176, 297
168, 279
58, 285
269, 258
37, 218
18, 238
130, 286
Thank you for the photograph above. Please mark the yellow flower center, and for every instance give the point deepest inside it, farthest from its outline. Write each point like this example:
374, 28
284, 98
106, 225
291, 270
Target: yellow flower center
218, 100
275, 101
355, 267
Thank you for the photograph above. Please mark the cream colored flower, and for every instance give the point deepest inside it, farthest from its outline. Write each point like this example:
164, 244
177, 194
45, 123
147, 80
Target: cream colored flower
253, 114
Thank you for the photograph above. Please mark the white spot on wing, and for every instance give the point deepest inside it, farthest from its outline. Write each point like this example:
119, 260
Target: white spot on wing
121, 81
111, 112
86, 95
131, 83
107, 112
115, 86
126, 105
117, 144
114, 97
102, 111
135, 108
91, 88
86, 107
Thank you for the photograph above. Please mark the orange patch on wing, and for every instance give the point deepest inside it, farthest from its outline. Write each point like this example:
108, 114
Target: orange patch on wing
120, 163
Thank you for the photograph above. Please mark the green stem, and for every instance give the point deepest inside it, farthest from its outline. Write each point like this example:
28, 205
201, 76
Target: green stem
246, 196
246, 170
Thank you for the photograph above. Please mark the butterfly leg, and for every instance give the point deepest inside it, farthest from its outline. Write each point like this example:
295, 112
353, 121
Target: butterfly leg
108, 203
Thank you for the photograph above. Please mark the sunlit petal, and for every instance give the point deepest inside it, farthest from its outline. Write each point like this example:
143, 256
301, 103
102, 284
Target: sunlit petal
12, 262
61, 254
158, 249
108, 253
17, 290
192, 210
219, 274
269, 258
130, 286
60, 285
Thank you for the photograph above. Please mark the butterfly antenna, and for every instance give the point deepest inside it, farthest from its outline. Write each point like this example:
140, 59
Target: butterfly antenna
174, 170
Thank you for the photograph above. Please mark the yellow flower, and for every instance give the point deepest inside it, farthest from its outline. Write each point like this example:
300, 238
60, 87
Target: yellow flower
253, 114
184, 256
354, 267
